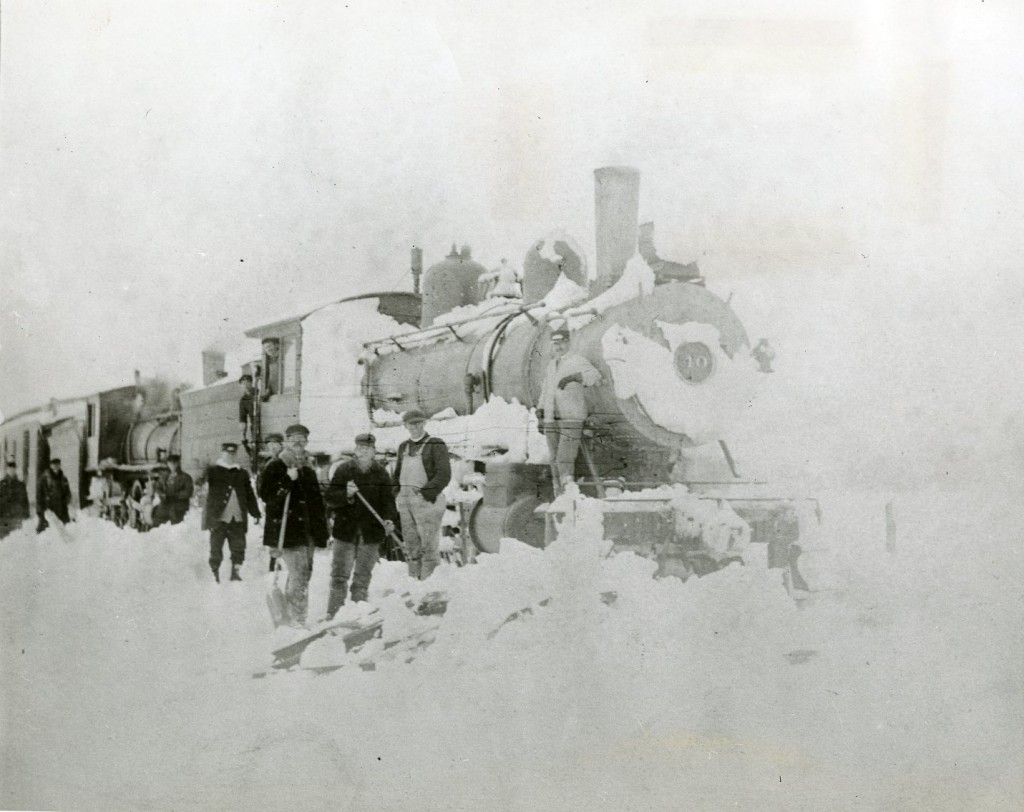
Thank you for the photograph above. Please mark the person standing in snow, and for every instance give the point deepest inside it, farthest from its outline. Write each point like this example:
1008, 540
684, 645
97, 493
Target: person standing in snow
562, 409
53, 493
357, 534
273, 444
13, 500
422, 473
175, 489
295, 517
229, 503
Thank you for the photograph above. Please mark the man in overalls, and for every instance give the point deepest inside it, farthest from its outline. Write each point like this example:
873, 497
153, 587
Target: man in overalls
422, 472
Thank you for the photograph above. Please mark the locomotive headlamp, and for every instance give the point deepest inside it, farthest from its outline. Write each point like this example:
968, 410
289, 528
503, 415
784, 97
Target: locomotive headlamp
694, 361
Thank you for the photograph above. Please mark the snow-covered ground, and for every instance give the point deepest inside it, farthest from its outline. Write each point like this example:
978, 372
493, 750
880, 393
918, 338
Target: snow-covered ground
127, 678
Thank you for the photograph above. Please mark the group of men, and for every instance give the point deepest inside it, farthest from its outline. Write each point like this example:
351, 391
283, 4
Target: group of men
366, 501
54, 496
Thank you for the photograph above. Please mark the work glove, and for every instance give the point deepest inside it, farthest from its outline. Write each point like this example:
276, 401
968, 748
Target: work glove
576, 377
389, 526
293, 474
351, 489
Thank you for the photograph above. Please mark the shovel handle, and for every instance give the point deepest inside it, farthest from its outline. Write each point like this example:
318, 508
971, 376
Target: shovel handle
377, 516
280, 536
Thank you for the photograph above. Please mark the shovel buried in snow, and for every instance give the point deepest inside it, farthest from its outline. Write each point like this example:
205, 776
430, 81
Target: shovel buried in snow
275, 597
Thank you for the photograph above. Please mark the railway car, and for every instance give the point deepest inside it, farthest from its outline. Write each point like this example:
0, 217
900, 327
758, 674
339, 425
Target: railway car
301, 376
117, 434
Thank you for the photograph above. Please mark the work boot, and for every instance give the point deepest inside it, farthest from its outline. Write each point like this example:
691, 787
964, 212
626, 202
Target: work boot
216, 573
234, 572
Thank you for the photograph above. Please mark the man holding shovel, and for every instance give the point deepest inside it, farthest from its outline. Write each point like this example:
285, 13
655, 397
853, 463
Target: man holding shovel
361, 495
296, 522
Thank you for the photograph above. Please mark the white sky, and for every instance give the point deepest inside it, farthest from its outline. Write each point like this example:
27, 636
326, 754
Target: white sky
175, 172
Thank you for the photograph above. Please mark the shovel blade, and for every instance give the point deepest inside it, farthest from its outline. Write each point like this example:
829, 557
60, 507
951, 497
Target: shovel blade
276, 605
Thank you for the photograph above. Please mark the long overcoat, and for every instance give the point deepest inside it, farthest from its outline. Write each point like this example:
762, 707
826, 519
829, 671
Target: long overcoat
221, 482
306, 522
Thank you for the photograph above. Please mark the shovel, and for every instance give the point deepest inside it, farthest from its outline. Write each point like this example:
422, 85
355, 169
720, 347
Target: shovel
377, 516
275, 597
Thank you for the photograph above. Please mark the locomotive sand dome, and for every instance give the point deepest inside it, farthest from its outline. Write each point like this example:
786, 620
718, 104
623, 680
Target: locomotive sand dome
676, 365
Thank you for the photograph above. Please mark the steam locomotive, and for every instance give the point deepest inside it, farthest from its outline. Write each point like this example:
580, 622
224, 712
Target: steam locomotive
676, 364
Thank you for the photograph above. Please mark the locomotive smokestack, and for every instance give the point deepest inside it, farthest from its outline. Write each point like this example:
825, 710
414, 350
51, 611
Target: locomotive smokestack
617, 207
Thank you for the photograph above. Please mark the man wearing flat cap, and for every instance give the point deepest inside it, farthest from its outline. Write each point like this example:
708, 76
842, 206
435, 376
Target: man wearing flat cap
563, 409
229, 503
273, 444
175, 488
53, 493
359, 489
422, 472
296, 521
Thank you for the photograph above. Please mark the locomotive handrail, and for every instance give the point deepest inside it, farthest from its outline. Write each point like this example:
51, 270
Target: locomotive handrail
438, 330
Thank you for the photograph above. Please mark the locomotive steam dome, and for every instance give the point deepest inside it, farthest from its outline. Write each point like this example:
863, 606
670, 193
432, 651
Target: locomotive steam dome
452, 282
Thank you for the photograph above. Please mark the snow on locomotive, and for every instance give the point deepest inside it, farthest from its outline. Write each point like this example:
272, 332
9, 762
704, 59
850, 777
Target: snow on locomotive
677, 368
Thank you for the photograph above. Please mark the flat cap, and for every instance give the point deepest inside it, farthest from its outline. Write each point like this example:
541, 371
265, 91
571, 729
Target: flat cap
366, 439
296, 428
54, 460
560, 334
414, 416
229, 446
273, 437
174, 457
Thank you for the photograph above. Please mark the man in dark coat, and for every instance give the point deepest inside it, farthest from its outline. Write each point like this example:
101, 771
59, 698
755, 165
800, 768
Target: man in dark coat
175, 488
296, 520
422, 473
230, 502
13, 500
357, 532
273, 444
53, 493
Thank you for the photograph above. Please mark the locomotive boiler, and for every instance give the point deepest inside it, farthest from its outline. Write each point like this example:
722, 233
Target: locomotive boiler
676, 363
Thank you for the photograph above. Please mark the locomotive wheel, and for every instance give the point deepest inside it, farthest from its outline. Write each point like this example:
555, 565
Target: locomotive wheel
489, 525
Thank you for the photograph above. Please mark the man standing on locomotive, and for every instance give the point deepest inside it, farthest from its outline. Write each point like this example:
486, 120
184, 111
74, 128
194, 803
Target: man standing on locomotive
563, 409
53, 492
229, 503
422, 472
357, 531
295, 517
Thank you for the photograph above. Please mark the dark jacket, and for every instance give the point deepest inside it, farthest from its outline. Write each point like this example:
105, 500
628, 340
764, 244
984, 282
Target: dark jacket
306, 521
350, 514
222, 481
175, 488
53, 493
13, 499
436, 464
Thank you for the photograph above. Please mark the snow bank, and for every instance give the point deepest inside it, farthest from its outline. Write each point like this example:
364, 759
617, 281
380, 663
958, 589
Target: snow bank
607, 690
